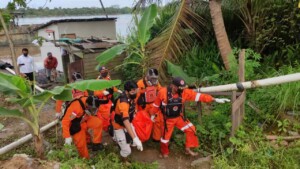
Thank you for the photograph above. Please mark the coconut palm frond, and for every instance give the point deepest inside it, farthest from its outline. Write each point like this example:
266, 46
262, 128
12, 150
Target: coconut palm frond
142, 4
179, 37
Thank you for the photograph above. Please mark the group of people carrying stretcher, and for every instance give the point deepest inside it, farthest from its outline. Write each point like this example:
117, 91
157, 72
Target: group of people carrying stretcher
142, 109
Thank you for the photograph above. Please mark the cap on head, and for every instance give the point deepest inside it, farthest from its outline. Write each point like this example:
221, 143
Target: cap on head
179, 82
102, 68
76, 76
129, 85
49, 54
93, 101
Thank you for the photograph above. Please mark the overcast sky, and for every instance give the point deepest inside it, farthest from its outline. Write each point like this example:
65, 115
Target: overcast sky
74, 3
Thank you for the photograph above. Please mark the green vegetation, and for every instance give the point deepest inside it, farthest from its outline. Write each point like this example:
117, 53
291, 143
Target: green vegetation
68, 157
271, 50
18, 91
39, 12
180, 40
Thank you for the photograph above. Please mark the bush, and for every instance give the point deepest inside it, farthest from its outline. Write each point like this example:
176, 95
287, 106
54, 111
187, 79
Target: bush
249, 150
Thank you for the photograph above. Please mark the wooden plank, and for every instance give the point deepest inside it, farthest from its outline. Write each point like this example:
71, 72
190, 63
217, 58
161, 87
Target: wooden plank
241, 111
238, 102
242, 66
233, 114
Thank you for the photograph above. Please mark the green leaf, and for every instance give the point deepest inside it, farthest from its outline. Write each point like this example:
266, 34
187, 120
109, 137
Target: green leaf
13, 84
94, 84
146, 23
11, 113
175, 70
109, 54
24, 102
66, 95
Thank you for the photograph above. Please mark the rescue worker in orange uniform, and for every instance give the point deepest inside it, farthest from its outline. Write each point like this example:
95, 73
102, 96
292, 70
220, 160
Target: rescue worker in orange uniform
93, 126
124, 113
171, 102
76, 77
148, 89
74, 123
107, 94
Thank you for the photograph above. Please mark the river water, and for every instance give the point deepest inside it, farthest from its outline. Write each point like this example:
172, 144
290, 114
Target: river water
122, 25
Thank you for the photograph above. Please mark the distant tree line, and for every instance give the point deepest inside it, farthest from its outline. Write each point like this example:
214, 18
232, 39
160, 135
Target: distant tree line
31, 12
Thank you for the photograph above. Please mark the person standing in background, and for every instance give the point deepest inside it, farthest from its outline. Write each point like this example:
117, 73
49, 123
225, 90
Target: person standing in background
26, 66
50, 64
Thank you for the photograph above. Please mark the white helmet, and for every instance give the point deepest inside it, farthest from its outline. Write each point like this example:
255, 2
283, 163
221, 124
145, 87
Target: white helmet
152, 76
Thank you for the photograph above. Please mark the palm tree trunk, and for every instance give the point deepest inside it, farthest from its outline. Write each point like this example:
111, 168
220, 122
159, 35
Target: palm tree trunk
220, 32
11, 45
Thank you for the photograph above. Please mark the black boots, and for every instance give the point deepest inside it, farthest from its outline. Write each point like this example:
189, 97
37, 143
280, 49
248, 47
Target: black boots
97, 147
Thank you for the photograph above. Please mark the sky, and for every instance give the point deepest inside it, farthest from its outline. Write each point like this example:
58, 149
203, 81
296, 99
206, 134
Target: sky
74, 3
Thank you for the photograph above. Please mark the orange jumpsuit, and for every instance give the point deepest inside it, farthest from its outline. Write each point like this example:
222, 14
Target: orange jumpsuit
123, 110
145, 92
173, 116
93, 124
75, 111
75, 94
104, 109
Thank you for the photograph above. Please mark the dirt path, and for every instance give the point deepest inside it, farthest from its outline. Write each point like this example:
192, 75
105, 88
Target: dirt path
15, 128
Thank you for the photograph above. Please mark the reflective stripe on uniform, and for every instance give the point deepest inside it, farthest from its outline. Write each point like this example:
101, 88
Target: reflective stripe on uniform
73, 113
186, 126
164, 141
155, 105
197, 97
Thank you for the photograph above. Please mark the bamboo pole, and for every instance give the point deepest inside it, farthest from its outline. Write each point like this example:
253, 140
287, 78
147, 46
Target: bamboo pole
253, 84
103, 8
25, 139
11, 44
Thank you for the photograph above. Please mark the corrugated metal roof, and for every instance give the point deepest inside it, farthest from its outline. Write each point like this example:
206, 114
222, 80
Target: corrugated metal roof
73, 20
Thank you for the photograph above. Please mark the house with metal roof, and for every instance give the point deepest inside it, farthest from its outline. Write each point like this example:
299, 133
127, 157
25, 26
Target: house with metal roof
77, 42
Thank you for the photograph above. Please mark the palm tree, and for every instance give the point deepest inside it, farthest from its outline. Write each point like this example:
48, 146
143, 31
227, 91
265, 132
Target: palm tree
220, 31
218, 25
178, 37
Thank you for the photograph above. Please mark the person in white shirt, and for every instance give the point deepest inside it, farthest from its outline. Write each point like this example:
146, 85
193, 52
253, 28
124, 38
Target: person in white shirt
26, 65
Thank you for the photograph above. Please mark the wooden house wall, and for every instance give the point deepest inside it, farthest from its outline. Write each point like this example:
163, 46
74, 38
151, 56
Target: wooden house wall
90, 63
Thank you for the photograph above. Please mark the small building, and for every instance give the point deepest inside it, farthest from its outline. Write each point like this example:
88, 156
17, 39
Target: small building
77, 42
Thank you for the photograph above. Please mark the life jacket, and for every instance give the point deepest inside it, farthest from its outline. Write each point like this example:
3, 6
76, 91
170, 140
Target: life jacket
173, 107
67, 104
118, 118
76, 122
75, 95
150, 93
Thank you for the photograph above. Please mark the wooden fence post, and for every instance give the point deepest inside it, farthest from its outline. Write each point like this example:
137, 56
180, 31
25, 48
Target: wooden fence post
238, 104
242, 79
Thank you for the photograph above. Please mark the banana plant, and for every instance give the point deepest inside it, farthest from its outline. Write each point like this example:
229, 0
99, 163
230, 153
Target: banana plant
143, 35
18, 91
